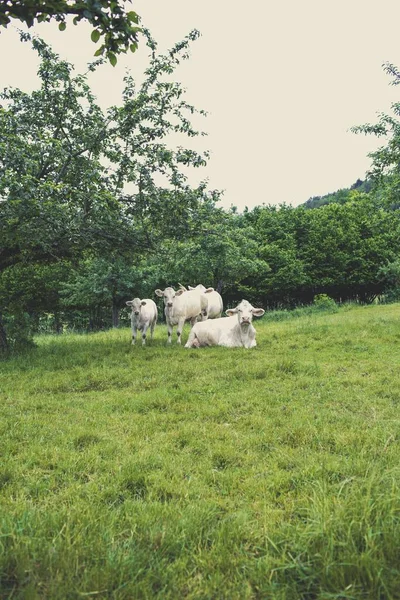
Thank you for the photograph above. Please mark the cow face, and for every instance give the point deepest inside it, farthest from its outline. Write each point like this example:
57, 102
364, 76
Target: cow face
169, 296
245, 313
136, 305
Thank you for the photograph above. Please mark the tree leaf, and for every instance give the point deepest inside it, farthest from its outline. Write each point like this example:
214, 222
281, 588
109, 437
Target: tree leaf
112, 58
132, 16
95, 36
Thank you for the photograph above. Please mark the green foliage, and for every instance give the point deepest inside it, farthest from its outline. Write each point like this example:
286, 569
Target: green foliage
65, 171
148, 175
221, 252
324, 302
95, 208
117, 28
56, 200
390, 274
33, 287
20, 328
338, 250
101, 282
384, 171
223, 473
340, 196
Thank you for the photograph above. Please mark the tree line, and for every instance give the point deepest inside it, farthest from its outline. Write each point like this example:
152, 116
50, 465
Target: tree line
96, 207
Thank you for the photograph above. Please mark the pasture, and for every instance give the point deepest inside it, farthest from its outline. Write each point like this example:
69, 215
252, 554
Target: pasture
161, 472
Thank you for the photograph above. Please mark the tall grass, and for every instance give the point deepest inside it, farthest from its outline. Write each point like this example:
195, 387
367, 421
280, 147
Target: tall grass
160, 472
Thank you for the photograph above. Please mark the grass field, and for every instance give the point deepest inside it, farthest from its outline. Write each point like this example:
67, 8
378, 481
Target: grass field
160, 472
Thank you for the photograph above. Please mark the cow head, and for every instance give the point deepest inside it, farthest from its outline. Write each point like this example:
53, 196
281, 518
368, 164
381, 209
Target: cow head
136, 305
245, 313
169, 295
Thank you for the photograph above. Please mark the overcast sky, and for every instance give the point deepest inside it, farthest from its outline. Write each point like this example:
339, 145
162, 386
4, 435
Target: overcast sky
282, 82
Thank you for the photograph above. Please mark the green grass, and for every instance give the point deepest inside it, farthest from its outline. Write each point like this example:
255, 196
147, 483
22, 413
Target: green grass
160, 472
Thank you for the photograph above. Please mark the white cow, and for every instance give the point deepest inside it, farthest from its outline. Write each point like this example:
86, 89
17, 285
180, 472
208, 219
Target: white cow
230, 332
181, 306
143, 316
215, 304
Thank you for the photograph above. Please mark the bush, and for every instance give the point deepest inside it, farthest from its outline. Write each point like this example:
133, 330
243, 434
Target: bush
391, 296
325, 302
19, 331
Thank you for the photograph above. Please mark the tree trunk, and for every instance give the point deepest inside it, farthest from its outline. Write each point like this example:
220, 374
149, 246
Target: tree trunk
3, 338
220, 285
115, 316
57, 323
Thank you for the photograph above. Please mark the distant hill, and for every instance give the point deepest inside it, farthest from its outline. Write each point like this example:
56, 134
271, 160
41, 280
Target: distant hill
340, 196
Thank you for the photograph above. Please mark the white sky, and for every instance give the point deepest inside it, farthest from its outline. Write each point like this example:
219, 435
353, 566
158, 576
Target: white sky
283, 82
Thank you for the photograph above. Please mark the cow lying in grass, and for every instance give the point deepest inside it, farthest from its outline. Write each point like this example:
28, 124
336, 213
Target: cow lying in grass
230, 332
143, 316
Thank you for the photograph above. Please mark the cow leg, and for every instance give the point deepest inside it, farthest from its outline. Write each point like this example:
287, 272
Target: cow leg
193, 320
192, 342
169, 333
251, 342
179, 329
152, 329
145, 326
134, 330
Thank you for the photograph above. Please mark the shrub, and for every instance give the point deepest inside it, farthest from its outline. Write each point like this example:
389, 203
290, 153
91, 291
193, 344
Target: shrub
325, 302
19, 331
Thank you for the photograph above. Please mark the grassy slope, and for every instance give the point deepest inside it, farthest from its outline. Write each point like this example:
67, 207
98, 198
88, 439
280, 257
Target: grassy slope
167, 473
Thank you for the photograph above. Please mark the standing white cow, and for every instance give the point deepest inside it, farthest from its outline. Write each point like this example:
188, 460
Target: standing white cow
143, 316
181, 306
215, 304
230, 332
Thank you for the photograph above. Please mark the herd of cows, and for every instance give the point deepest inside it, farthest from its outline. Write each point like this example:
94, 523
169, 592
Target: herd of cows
203, 308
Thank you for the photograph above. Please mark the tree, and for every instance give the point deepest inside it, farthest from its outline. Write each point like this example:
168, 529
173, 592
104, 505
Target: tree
385, 169
112, 25
56, 200
77, 184
281, 231
220, 252
338, 250
27, 290
148, 172
390, 275
104, 283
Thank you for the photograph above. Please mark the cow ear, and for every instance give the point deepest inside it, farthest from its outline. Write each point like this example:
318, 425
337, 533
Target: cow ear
208, 290
231, 311
179, 292
258, 312
129, 303
143, 303
159, 293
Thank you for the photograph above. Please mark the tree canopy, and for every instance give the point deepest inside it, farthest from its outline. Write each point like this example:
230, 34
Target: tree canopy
115, 28
96, 207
